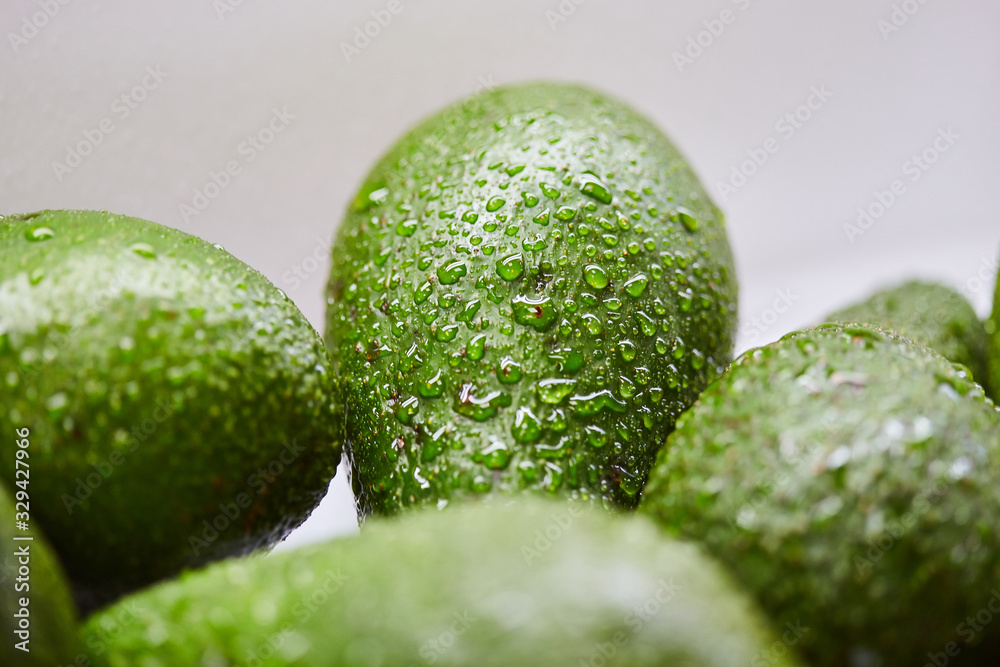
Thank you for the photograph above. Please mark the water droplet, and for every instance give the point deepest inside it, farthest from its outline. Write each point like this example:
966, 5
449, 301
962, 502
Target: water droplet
594, 324
565, 213
470, 217
595, 276
446, 333
596, 436
36, 276
534, 244
637, 285
451, 273
39, 234
526, 428
591, 404
627, 349
554, 390
509, 371
530, 200
514, 170
495, 455
495, 203
549, 191
406, 410
686, 218
480, 409
511, 267
431, 388
407, 228
537, 313
592, 186
542, 218
143, 250
476, 347
423, 292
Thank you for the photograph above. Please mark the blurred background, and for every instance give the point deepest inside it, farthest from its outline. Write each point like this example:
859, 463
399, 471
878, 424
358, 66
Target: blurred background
851, 144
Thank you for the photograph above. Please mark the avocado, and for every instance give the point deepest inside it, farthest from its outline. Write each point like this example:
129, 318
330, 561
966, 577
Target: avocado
529, 582
180, 406
38, 617
848, 478
931, 314
529, 289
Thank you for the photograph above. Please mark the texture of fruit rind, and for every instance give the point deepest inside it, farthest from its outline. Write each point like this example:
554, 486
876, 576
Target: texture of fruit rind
180, 406
931, 314
482, 348
847, 477
534, 583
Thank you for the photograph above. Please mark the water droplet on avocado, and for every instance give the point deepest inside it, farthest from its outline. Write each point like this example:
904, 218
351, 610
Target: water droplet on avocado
451, 273
554, 390
509, 371
37, 234
592, 186
596, 436
446, 333
431, 388
526, 428
686, 218
511, 267
627, 349
407, 227
406, 410
565, 213
482, 409
529, 199
143, 250
637, 285
476, 347
549, 191
495, 455
536, 313
542, 218
470, 217
595, 276
495, 203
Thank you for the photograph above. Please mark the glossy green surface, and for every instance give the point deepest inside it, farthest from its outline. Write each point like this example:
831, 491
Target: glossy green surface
166, 385
51, 617
537, 583
848, 478
930, 314
528, 290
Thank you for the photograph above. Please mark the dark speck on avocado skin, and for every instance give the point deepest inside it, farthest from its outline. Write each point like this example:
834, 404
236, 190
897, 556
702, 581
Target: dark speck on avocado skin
549, 225
165, 383
848, 478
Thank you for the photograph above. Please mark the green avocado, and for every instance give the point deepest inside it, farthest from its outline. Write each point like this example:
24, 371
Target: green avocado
529, 289
38, 617
930, 314
179, 404
848, 478
529, 583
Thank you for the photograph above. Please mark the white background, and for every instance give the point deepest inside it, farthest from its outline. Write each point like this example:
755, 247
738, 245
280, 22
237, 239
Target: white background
229, 63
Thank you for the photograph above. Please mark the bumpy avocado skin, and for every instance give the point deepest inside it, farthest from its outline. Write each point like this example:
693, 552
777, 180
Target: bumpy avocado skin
847, 477
528, 290
165, 384
532, 583
931, 314
51, 615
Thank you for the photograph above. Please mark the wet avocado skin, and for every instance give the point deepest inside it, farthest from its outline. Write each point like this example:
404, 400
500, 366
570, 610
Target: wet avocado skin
52, 616
159, 375
528, 290
847, 477
931, 314
533, 583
